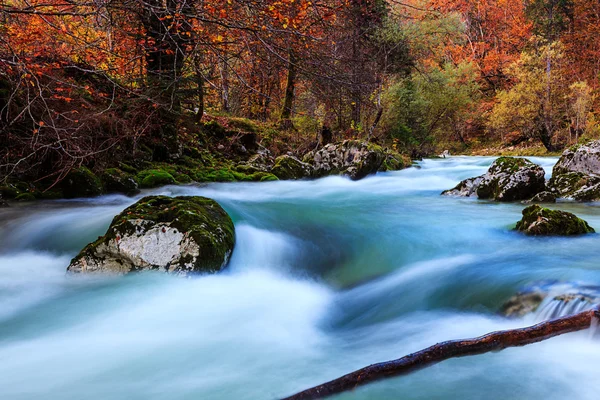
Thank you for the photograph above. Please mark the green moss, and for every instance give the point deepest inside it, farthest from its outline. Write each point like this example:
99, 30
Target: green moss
243, 124
539, 221
154, 178
288, 167
81, 182
9, 191
511, 164
127, 168
25, 197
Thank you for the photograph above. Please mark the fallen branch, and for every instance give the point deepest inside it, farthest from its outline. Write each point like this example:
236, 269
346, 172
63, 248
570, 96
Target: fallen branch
494, 341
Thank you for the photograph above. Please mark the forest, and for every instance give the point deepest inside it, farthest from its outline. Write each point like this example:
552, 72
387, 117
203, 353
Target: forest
83, 82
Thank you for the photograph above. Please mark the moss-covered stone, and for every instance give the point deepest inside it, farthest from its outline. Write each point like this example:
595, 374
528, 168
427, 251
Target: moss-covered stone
289, 167
81, 182
393, 162
180, 235
539, 221
25, 197
154, 178
117, 181
507, 179
353, 158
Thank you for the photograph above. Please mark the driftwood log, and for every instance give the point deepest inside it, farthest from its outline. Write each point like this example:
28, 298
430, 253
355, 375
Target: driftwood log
494, 341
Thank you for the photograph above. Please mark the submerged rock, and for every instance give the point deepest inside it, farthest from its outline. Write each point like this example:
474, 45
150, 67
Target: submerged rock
576, 175
539, 221
179, 235
289, 167
81, 182
352, 158
507, 179
550, 300
117, 181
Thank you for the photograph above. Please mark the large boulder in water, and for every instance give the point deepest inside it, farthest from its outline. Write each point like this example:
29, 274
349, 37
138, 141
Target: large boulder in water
183, 235
549, 300
289, 167
576, 175
539, 221
508, 179
352, 158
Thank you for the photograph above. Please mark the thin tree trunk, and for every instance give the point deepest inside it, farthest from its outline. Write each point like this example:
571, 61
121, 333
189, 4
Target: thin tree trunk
200, 89
286, 112
494, 341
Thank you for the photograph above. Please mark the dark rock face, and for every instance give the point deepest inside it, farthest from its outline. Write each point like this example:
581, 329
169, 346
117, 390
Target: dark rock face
549, 300
289, 167
576, 175
508, 179
544, 197
81, 182
117, 181
539, 221
352, 158
183, 235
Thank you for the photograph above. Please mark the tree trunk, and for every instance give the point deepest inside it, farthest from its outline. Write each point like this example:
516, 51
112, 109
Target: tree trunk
200, 89
286, 112
494, 341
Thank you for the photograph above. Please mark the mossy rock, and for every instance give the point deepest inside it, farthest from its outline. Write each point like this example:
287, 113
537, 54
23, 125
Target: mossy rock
117, 181
9, 191
507, 179
544, 197
152, 178
289, 167
184, 235
393, 162
353, 158
24, 197
539, 221
81, 182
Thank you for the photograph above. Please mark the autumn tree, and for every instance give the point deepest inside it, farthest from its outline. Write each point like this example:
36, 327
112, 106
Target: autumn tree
536, 106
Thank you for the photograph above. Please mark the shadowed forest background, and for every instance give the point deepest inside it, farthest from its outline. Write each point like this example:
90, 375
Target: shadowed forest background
94, 82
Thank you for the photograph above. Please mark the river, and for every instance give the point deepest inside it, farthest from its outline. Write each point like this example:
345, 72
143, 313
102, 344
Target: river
327, 276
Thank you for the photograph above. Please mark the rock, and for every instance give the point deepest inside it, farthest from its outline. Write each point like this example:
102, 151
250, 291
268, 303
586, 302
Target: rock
151, 178
261, 162
582, 158
392, 162
352, 158
466, 188
117, 181
25, 197
539, 221
183, 235
81, 182
551, 300
507, 179
289, 167
576, 175
544, 197
445, 154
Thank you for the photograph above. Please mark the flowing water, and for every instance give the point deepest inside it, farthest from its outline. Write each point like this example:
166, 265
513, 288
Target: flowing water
327, 276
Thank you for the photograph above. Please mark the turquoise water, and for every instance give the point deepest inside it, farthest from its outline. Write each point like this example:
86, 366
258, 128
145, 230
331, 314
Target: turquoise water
327, 276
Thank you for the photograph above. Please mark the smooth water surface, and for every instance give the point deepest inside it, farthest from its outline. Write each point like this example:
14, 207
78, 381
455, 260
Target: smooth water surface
327, 276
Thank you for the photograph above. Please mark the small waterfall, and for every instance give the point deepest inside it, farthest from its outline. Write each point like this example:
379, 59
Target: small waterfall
564, 305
